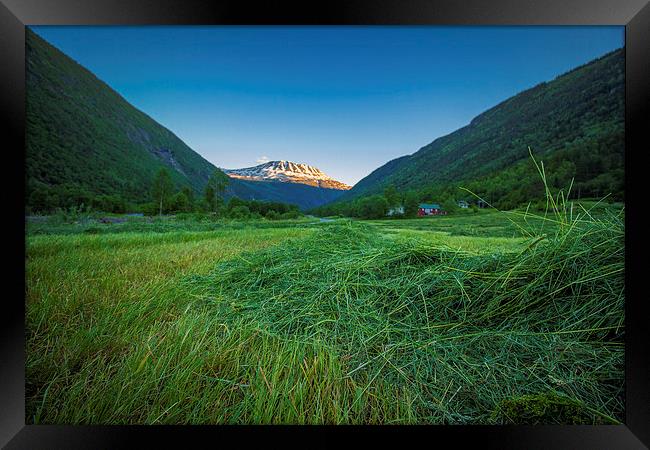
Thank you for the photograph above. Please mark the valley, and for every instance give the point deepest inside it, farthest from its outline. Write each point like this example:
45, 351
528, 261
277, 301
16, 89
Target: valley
336, 322
478, 280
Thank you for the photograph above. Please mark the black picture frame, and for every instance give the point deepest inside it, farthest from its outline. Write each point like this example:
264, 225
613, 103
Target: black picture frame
16, 14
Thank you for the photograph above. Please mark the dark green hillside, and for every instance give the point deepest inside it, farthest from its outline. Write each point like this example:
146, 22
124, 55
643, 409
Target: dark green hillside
85, 142
84, 138
575, 123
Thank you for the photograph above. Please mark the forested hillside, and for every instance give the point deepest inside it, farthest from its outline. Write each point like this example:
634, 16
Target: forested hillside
86, 145
574, 123
84, 139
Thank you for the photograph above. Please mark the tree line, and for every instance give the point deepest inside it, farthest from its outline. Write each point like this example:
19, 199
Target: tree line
163, 199
592, 167
403, 204
213, 200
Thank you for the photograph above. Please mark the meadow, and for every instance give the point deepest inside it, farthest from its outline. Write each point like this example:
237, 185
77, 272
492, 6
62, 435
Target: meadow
489, 318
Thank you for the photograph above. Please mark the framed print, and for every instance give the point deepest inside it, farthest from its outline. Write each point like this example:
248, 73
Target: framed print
274, 220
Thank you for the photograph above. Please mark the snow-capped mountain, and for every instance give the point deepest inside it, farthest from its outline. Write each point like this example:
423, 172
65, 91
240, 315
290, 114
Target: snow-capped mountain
289, 172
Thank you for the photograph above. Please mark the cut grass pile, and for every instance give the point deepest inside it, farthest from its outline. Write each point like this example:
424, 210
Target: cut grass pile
333, 323
422, 333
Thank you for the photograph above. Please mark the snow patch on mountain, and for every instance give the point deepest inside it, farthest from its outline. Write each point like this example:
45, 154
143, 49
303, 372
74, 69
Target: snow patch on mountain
289, 172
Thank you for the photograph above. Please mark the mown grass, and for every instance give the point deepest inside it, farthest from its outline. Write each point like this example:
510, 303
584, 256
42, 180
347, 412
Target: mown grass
165, 224
493, 223
94, 303
345, 322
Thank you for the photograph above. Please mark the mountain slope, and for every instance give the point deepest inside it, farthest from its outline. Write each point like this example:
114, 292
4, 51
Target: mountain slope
287, 171
84, 135
303, 195
84, 140
285, 181
577, 113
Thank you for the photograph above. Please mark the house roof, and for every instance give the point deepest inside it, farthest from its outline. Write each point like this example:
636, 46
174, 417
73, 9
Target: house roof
429, 206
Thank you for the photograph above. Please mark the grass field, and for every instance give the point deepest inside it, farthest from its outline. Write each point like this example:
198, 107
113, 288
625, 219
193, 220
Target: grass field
460, 319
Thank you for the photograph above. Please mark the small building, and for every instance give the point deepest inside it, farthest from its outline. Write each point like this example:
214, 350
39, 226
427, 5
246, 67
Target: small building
481, 203
395, 210
430, 209
463, 204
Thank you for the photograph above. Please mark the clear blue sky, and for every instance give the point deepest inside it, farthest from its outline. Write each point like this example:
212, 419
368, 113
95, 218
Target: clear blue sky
344, 99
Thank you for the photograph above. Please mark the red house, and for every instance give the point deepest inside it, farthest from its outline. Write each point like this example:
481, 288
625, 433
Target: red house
430, 209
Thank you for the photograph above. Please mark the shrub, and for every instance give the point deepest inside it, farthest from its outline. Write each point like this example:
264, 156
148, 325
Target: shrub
240, 212
272, 215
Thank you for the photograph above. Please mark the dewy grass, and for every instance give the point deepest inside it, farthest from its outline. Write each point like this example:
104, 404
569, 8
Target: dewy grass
456, 333
340, 323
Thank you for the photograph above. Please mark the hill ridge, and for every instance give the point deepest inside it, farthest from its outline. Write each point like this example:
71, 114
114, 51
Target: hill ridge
84, 140
580, 109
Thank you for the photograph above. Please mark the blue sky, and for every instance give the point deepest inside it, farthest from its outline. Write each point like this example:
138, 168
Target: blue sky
344, 99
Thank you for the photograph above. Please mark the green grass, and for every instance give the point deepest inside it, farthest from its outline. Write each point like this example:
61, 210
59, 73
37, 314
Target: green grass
443, 320
493, 223
164, 224
94, 303
487, 224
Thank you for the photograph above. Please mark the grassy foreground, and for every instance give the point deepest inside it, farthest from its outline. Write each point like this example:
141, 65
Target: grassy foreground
346, 322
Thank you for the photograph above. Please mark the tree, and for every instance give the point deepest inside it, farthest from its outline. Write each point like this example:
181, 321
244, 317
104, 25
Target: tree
209, 197
180, 202
42, 199
109, 203
189, 194
411, 204
272, 214
392, 197
373, 207
234, 202
449, 204
240, 212
214, 189
162, 188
